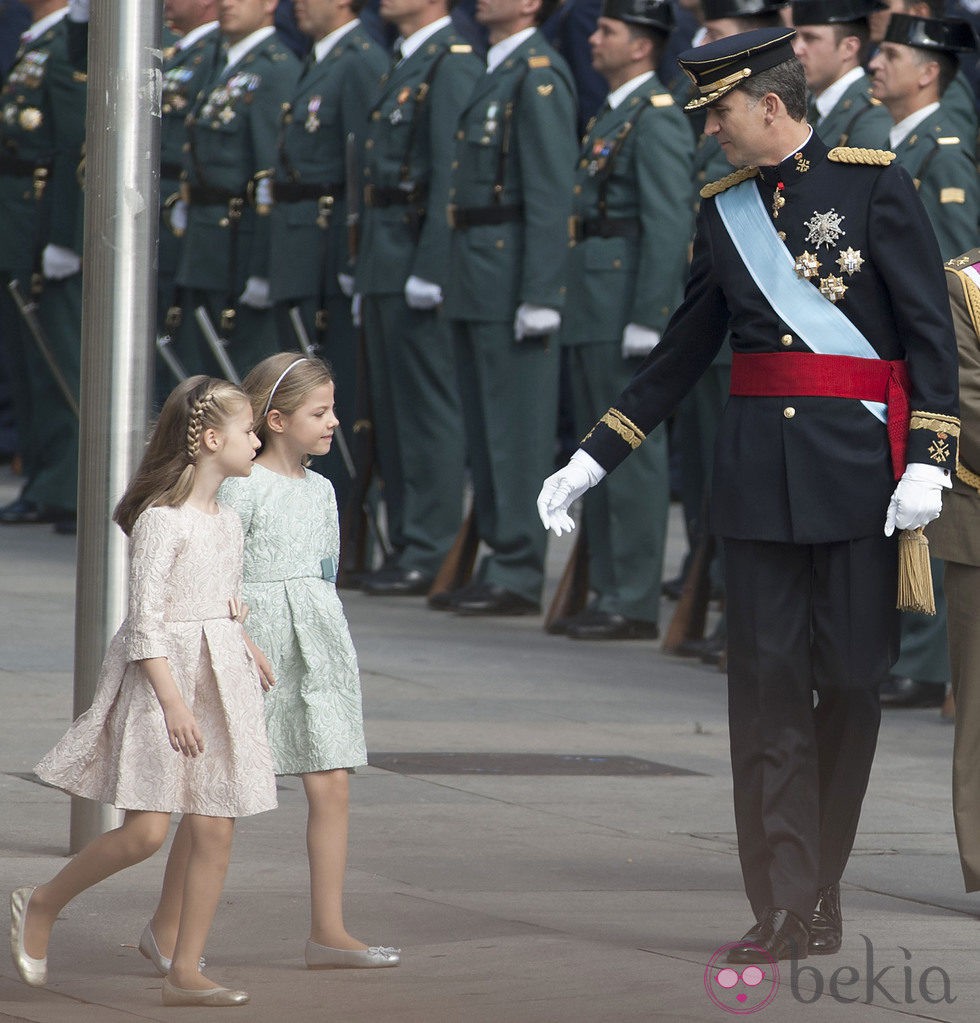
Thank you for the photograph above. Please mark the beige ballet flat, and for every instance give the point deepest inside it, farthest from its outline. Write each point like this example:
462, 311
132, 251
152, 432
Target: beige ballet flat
150, 950
32, 971
213, 996
322, 957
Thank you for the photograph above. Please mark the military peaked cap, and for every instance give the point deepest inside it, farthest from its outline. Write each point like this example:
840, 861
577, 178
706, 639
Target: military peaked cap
714, 10
833, 12
721, 66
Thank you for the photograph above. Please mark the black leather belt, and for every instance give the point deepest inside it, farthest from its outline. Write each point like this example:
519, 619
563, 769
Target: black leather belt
11, 167
604, 227
380, 198
462, 217
209, 195
302, 191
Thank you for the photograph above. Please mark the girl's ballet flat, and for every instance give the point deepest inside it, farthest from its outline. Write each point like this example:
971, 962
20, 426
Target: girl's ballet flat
32, 971
150, 950
322, 957
213, 996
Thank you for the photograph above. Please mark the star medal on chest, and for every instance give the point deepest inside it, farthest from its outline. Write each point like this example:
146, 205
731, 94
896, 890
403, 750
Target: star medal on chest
312, 110
778, 199
600, 156
824, 228
398, 115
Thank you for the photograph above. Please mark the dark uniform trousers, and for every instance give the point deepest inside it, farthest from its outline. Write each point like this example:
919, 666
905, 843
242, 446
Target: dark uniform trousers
802, 617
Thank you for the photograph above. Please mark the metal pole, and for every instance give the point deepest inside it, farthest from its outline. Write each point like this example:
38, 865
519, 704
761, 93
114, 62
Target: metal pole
122, 186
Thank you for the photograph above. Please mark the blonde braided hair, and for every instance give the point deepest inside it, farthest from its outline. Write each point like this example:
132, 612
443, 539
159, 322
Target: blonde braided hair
195, 424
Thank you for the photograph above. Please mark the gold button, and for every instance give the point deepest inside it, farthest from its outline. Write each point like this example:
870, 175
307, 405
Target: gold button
460, 136
376, 116
369, 144
789, 412
499, 243
617, 263
455, 165
787, 339
583, 163
782, 235
577, 189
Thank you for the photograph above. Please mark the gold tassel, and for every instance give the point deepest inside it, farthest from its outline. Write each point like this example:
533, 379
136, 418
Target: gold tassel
914, 575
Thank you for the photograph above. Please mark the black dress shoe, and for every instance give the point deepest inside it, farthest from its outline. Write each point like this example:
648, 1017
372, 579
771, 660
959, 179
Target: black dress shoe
486, 599
608, 625
780, 934
899, 691
827, 925
66, 525
24, 513
446, 600
709, 649
397, 582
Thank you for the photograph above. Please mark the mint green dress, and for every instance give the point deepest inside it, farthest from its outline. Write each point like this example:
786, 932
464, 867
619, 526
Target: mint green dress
292, 546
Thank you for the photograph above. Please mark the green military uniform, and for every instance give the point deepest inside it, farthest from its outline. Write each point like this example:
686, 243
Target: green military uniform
511, 196
232, 135
186, 71
634, 219
308, 235
857, 119
959, 106
415, 404
42, 128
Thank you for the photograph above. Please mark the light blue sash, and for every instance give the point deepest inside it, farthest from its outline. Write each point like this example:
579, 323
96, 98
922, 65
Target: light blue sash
821, 326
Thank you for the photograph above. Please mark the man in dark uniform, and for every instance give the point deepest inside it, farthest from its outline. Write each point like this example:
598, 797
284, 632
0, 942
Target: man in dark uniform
322, 126
42, 128
832, 38
511, 198
824, 267
232, 134
632, 221
402, 268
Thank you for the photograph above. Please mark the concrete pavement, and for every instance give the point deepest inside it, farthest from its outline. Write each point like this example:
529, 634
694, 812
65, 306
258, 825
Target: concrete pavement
515, 897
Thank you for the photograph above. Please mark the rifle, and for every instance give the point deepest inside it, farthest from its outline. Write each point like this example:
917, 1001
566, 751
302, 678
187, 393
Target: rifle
692, 608
217, 345
164, 341
457, 566
28, 310
573, 586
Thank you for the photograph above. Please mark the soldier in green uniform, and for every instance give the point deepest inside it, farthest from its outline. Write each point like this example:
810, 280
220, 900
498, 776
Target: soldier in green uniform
911, 70
632, 218
42, 127
189, 64
401, 271
308, 224
232, 136
510, 203
832, 39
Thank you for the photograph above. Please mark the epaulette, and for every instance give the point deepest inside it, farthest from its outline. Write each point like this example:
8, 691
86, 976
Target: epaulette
967, 259
461, 48
735, 178
540, 61
662, 99
869, 157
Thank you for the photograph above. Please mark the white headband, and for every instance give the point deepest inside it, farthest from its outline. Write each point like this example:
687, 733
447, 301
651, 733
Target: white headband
268, 404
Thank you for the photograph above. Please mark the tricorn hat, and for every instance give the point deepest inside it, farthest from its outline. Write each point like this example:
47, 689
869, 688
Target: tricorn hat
945, 34
721, 66
833, 12
657, 14
714, 10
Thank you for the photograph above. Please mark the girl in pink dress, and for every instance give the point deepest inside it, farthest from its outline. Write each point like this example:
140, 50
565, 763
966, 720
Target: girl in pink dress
176, 724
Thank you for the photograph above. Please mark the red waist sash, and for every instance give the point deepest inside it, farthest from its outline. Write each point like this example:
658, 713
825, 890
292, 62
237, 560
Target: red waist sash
805, 375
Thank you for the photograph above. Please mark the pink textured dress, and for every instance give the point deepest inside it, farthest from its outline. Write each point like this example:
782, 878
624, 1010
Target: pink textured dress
185, 567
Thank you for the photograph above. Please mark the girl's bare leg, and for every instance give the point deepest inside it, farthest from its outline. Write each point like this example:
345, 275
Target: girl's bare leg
166, 918
327, 793
207, 863
140, 836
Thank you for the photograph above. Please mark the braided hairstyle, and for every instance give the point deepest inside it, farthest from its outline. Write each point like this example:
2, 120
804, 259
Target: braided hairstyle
166, 472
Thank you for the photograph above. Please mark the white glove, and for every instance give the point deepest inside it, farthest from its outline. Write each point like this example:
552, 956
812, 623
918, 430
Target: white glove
256, 293
178, 217
263, 192
422, 294
57, 262
639, 340
346, 282
355, 308
918, 497
535, 321
560, 490
78, 10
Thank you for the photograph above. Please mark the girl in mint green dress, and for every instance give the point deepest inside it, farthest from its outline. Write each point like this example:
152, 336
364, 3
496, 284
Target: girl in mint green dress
313, 713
